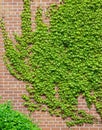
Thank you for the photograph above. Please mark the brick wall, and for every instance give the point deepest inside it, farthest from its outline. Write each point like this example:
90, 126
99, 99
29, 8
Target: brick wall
12, 89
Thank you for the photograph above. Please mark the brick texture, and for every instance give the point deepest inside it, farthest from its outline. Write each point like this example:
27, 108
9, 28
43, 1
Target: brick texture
12, 89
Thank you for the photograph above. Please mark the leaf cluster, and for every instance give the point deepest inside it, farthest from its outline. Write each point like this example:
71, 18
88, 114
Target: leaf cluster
60, 61
14, 120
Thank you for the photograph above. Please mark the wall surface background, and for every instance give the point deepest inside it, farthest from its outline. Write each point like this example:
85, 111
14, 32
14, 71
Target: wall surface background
12, 89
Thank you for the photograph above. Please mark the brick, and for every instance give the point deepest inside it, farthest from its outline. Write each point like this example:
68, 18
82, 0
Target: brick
8, 0
94, 128
74, 129
65, 128
84, 128
45, 128
55, 129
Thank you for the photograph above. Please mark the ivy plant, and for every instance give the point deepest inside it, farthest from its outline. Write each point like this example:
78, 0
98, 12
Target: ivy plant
60, 61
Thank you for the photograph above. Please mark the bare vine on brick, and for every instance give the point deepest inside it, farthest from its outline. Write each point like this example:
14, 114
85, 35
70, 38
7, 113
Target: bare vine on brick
60, 61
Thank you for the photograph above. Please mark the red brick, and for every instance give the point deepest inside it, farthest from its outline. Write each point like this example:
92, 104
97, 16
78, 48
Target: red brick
94, 128
45, 128
75, 129
55, 128
65, 129
7, 0
84, 128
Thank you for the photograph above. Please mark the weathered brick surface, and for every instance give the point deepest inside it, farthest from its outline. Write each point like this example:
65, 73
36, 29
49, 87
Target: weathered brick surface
12, 89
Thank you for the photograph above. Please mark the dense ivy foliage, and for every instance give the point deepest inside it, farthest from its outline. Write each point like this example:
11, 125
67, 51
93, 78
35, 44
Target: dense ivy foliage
60, 61
14, 120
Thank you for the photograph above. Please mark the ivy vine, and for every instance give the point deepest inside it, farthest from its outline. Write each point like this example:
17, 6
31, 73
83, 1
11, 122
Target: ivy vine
60, 61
